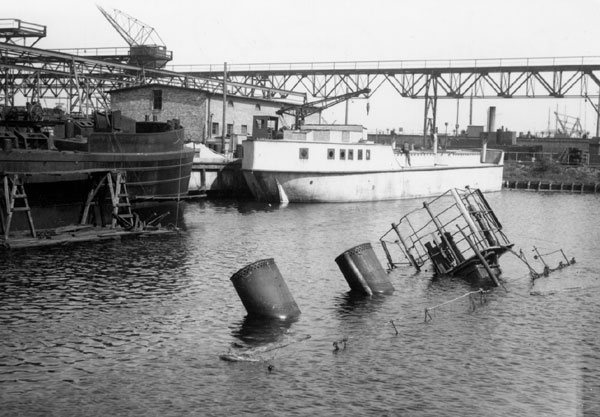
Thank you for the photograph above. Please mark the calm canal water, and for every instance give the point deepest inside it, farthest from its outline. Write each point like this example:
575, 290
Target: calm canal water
136, 328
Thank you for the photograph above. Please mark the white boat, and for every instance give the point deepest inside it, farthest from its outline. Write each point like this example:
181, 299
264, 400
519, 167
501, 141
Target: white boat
333, 163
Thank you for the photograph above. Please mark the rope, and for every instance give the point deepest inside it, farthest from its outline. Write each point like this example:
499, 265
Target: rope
179, 179
482, 300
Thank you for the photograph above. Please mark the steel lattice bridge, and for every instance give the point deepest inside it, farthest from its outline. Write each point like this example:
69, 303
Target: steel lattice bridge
507, 78
85, 78
566, 77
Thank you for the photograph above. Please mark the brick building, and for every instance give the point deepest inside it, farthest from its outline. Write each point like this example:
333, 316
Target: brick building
200, 112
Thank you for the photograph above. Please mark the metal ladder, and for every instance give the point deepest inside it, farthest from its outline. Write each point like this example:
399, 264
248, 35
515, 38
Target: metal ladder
14, 191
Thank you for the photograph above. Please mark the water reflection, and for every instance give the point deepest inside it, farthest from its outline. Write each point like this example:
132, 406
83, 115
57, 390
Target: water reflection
137, 327
258, 331
353, 303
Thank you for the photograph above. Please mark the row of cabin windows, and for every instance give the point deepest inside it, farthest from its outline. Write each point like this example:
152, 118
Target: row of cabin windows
344, 154
215, 129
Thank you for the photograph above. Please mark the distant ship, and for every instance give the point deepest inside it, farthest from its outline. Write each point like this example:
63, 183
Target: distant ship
333, 163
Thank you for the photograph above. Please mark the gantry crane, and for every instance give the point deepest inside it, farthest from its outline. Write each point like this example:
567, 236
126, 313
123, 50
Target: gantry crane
147, 49
301, 111
568, 125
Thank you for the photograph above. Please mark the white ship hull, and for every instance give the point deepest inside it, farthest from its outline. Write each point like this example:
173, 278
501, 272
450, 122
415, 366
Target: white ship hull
295, 171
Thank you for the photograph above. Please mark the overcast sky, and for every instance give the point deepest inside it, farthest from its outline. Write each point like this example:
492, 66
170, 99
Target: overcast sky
236, 31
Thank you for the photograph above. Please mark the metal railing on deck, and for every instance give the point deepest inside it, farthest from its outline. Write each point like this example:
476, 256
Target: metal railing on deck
441, 231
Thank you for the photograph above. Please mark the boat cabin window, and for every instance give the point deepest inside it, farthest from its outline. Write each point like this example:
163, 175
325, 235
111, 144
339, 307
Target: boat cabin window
157, 99
350, 154
368, 154
342, 154
303, 154
330, 153
359, 156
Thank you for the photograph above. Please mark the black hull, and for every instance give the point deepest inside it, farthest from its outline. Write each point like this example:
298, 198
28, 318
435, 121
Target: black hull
162, 170
68, 180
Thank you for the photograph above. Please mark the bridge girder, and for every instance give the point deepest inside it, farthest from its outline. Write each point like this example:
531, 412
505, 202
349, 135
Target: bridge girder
505, 82
85, 81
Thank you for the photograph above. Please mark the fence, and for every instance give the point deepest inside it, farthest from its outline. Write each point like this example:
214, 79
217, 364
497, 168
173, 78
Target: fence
563, 157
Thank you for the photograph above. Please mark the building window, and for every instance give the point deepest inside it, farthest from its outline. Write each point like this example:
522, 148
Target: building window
157, 99
342, 154
350, 154
303, 154
359, 156
229, 129
368, 154
257, 107
215, 128
244, 129
330, 153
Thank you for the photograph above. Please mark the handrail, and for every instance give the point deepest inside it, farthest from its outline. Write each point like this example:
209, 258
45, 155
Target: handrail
392, 64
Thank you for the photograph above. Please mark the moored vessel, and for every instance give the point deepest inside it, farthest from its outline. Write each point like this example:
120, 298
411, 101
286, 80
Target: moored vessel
333, 163
56, 156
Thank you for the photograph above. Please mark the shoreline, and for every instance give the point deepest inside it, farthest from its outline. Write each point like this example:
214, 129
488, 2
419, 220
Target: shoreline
544, 171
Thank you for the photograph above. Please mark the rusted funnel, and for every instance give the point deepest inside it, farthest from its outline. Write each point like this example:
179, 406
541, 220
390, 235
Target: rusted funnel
363, 271
263, 291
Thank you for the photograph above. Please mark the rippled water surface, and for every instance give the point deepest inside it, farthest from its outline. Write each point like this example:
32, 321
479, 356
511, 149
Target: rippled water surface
137, 327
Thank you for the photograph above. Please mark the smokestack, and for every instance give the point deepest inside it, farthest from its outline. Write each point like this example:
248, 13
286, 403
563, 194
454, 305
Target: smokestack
491, 126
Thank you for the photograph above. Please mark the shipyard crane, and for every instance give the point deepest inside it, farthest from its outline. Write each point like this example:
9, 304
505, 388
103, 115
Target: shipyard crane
301, 111
568, 125
147, 49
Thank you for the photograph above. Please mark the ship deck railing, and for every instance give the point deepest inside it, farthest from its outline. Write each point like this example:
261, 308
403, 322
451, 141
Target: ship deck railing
449, 229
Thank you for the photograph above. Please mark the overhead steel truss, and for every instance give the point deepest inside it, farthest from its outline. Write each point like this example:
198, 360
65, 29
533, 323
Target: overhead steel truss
86, 82
428, 80
487, 78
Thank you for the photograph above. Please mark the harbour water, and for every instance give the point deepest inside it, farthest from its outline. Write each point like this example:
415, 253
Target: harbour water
137, 327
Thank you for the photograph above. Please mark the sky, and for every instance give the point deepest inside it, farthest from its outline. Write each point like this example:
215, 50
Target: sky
271, 31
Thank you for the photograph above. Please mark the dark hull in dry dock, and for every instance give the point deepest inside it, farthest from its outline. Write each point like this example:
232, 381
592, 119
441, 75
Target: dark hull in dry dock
60, 166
